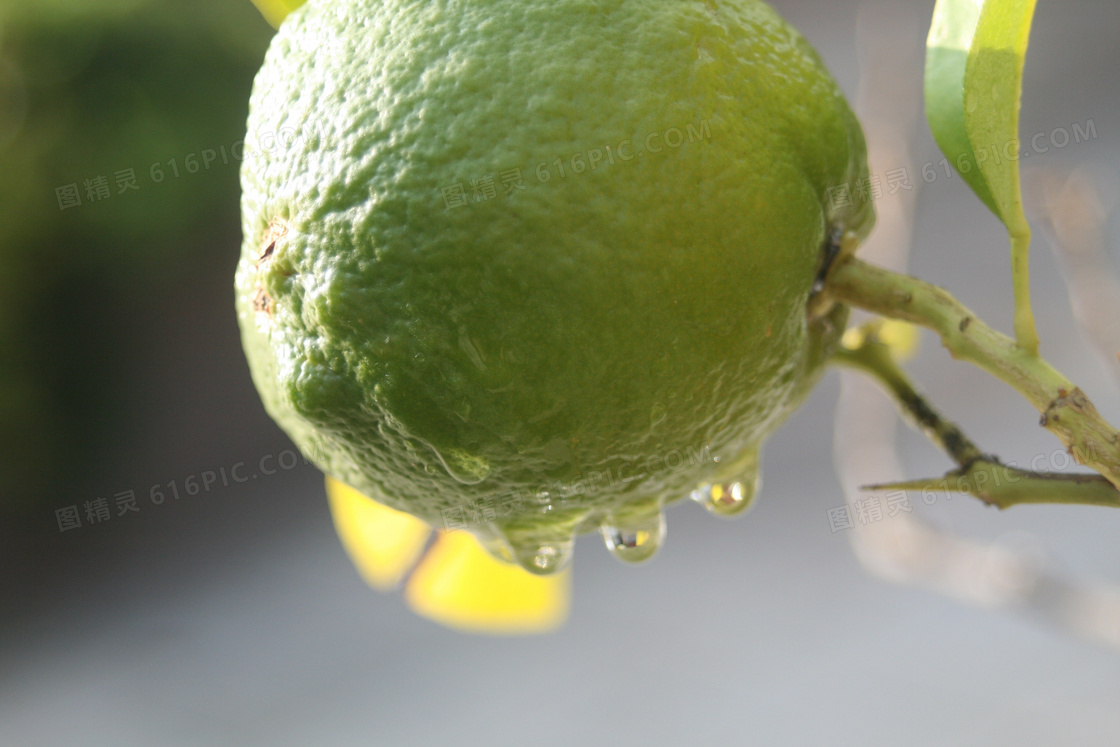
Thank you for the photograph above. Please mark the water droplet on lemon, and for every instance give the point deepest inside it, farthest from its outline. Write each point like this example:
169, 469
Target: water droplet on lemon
634, 541
731, 499
542, 558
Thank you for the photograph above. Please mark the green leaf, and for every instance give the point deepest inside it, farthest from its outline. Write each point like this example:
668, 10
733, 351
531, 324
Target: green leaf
274, 11
974, 74
950, 38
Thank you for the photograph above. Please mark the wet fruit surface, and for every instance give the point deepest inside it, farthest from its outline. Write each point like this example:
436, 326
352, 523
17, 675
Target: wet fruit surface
528, 268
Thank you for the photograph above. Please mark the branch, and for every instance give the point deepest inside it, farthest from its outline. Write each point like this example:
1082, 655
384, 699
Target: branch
981, 475
874, 357
1003, 486
1066, 411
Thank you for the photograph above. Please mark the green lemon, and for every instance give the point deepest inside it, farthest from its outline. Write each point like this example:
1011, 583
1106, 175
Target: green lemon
536, 267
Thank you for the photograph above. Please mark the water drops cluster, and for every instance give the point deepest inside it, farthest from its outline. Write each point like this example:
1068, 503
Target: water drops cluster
635, 537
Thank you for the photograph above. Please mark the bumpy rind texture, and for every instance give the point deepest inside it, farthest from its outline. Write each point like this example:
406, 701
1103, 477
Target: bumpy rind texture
547, 257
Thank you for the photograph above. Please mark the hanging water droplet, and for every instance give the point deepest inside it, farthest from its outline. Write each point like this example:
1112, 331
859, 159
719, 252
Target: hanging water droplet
727, 499
731, 499
634, 541
543, 558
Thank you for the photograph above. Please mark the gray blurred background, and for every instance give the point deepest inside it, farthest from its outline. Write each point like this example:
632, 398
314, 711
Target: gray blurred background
234, 617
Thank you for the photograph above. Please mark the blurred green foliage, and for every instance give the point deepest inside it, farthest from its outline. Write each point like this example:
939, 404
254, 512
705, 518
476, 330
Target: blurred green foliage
88, 91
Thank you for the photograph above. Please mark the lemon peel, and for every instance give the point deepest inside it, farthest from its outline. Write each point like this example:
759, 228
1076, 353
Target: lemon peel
531, 243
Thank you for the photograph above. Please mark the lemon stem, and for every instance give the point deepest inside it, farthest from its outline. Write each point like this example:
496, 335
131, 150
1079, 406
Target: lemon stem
1025, 332
978, 474
1066, 411
874, 357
